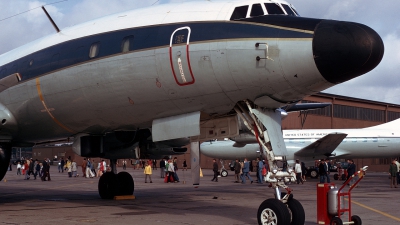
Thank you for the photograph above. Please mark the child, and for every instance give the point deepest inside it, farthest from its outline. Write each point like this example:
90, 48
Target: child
148, 172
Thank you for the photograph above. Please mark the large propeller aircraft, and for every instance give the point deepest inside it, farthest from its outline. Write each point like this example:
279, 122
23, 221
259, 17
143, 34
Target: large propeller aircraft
171, 75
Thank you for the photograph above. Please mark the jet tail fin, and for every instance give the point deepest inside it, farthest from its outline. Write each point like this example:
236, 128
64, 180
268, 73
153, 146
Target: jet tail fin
395, 124
324, 146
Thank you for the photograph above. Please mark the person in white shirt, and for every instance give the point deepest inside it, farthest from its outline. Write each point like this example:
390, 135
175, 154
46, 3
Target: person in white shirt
297, 170
19, 168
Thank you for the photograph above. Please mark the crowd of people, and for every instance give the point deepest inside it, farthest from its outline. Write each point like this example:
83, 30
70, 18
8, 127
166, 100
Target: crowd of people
35, 168
169, 168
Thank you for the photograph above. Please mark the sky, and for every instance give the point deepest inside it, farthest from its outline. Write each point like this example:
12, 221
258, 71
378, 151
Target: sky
19, 27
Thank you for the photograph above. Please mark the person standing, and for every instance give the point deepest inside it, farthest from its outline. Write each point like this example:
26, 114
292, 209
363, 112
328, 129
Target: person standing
68, 167
162, 168
26, 166
322, 171
184, 165
260, 166
238, 168
245, 170
46, 171
175, 163
84, 164
327, 167
303, 171
154, 164
124, 164
351, 169
215, 170
63, 164
74, 168
19, 168
171, 171
393, 173
92, 168
298, 171
89, 172
37, 169
147, 172
398, 171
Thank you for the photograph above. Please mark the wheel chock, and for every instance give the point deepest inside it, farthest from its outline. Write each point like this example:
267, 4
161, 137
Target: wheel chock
124, 197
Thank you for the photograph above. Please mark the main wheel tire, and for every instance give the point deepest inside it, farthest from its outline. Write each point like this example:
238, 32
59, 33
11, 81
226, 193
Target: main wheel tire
313, 174
273, 212
5, 156
224, 173
356, 219
297, 212
126, 184
336, 176
336, 221
108, 185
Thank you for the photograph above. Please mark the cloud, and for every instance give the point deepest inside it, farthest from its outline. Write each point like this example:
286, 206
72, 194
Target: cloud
21, 29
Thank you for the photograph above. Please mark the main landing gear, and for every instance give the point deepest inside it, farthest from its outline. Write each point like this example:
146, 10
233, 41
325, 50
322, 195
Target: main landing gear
112, 184
265, 124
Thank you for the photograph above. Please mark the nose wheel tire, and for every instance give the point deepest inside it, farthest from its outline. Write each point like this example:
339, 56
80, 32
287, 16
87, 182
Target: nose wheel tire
297, 212
273, 212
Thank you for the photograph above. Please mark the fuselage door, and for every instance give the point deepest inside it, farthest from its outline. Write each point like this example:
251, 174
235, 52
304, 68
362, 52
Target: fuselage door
179, 56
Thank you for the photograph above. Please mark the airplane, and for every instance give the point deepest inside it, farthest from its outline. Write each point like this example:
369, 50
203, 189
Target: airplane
309, 145
172, 75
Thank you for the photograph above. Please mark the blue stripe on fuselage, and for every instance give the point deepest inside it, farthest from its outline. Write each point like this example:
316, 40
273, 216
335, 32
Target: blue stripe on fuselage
76, 51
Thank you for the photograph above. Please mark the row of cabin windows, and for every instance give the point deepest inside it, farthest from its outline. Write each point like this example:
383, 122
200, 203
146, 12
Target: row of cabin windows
257, 10
126, 46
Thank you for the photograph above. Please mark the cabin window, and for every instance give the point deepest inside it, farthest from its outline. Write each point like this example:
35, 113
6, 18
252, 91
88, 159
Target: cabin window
94, 50
31, 62
274, 9
127, 44
288, 10
256, 10
240, 12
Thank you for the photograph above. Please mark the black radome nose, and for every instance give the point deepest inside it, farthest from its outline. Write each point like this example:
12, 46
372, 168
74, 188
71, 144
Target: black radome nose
345, 50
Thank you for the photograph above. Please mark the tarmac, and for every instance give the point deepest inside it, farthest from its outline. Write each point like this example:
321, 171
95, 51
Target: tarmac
65, 200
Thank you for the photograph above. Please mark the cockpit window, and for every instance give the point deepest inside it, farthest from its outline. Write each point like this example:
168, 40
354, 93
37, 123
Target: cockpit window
294, 10
240, 12
256, 10
274, 9
288, 10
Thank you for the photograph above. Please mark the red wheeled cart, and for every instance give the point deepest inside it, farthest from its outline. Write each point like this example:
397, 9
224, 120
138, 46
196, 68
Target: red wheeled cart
336, 203
331, 204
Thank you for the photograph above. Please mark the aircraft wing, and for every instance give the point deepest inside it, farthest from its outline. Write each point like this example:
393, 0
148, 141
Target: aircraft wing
324, 146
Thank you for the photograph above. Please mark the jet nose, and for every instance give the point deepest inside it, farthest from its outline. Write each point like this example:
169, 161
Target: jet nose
345, 50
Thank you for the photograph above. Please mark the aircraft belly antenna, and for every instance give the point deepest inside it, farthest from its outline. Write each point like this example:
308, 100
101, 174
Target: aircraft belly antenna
51, 20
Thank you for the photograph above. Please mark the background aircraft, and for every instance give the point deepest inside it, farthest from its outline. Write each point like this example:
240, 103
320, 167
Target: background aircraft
308, 145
